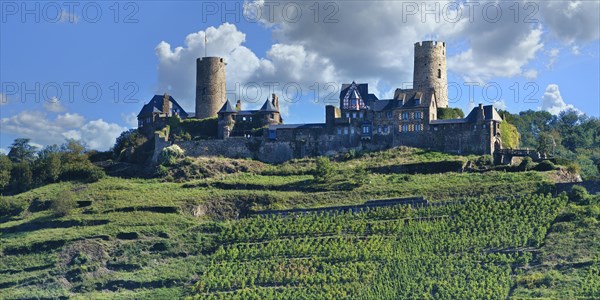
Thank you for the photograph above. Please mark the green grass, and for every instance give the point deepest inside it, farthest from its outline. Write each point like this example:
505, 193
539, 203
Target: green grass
155, 238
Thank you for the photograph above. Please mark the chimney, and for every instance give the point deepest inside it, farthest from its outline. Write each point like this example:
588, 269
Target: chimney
275, 102
238, 105
166, 107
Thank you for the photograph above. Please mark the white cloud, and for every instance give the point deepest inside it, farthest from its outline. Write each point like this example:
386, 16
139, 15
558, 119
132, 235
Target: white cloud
130, 119
284, 64
44, 130
530, 74
553, 102
552, 56
100, 135
571, 21
501, 104
53, 105
575, 50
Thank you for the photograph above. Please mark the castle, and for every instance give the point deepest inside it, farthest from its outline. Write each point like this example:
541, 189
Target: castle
361, 121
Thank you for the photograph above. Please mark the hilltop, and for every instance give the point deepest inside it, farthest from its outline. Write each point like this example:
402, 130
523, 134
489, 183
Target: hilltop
190, 231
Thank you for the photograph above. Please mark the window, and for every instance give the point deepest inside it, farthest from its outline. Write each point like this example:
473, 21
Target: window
483, 126
339, 131
379, 129
417, 101
386, 129
405, 116
345, 130
439, 73
418, 115
347, 115
404, 127
243, 118
360, 115
273, 134
272, 116
365, 129
354, 115
418, 127
435, 128
389, 114
351, 130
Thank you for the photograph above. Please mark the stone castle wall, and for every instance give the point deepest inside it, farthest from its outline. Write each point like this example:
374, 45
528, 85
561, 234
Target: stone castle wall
210, 86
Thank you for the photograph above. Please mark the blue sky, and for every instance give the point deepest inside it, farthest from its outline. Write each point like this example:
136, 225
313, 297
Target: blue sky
55, 57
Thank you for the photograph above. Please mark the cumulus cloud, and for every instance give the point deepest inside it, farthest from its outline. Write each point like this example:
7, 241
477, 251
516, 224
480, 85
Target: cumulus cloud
530, 74
45, 130
552, 56
571, 21
53, 105
130, 119
284, 64
553, 102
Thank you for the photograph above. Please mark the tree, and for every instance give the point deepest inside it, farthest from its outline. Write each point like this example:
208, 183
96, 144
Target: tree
48, 166
63, 203
324, 169
21, 177
5, 168
545, 143
73, 152
21, 150
129, 139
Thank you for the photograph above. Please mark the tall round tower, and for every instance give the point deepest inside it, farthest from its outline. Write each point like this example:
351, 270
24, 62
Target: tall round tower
430, 69
210, 86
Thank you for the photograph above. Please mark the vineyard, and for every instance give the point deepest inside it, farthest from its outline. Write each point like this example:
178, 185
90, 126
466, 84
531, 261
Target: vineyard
459, 251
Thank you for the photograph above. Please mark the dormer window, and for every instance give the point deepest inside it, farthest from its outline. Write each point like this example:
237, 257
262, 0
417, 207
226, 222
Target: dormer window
417, 101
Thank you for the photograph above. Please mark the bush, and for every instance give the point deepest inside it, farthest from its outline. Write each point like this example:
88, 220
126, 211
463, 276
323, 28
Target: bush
169, 155
63, 203
573, 168
484, 160
11, 207
545, 165
82, 172
578, 194
324, 169
527, 164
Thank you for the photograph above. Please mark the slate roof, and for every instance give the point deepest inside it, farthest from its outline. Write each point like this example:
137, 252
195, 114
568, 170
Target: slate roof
410, 97
268, 107
227, 108
387, 104
363, 90
489, 113
155, 106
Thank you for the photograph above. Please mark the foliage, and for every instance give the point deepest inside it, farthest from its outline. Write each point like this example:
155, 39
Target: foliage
324, 169
510, 135
445, 113
85, 172
11, 206
63, 203
5, 169
170, 155
484, 160
201, 129
21, 176
21, 150
545, 165
526, 164
578, 194
131, 138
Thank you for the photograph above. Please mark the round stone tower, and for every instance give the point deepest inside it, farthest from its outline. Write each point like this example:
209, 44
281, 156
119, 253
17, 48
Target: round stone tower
210, 86
430, 69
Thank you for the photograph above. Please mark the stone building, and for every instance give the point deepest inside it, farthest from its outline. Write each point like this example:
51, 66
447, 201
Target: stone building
362, 121
154, 114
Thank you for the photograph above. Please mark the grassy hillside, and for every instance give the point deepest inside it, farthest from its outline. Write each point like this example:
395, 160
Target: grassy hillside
178, 236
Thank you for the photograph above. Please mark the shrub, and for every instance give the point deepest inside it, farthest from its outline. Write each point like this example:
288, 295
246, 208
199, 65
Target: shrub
573, 168
578, 194
324, 169
63, 203
545, 165
86, 172
484, 160
169, 155
527, 164
11, 207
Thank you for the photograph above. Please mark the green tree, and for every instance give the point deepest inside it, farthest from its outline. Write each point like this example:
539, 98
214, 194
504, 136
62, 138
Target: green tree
21, 150
63, 203
324, 169
5, 168
21, 176
130, 138
48, 166
545, 143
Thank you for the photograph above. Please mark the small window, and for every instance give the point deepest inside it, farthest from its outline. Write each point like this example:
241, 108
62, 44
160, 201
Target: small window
347, 115
351, 130
354, 115
243, 118
389, 114
365, 130
439, 73
346, 130
272, 116
360, 115
418, 127
339, 131
379, 129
